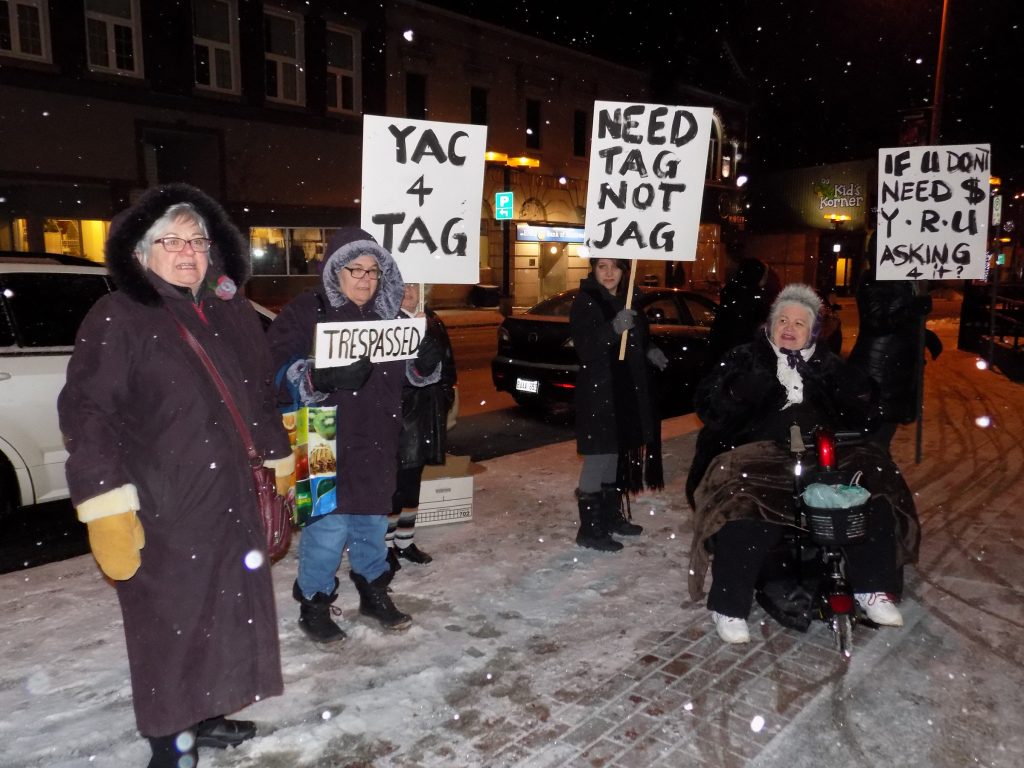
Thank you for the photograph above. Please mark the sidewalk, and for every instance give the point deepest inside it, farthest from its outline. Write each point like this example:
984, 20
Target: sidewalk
528, 651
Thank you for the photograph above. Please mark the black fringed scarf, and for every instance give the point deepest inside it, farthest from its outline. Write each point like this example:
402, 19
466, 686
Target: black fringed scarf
640, 463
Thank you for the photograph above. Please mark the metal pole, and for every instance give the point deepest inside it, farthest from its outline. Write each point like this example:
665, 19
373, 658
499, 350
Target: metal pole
933, 137
506, 253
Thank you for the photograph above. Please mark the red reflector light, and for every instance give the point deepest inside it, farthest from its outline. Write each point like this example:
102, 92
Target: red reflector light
826, 450
564, 385
840, 603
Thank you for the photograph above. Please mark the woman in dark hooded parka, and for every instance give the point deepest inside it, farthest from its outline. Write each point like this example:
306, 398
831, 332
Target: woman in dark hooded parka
360, 282
160, 475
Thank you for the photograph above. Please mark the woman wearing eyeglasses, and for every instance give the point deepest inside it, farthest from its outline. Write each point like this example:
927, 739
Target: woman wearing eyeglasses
160, 475
360, 282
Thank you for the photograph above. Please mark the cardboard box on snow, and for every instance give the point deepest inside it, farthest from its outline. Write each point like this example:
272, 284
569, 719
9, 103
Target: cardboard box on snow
446, 493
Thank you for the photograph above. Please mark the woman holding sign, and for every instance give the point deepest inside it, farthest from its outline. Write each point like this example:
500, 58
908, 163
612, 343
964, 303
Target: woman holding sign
618, 431
361, 282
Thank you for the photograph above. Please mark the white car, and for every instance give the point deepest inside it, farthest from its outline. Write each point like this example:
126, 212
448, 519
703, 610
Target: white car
43, 300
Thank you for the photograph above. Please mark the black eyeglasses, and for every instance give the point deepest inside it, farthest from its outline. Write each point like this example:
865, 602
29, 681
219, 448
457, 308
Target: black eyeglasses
177, 244
359, 273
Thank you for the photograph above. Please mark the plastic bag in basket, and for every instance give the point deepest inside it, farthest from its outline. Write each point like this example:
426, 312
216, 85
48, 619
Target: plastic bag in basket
837, 496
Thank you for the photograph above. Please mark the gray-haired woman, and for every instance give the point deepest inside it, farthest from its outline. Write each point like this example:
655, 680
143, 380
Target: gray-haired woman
738, 482
159, 474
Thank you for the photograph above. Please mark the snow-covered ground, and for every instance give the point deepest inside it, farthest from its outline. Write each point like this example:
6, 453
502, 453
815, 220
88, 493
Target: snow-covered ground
528, 651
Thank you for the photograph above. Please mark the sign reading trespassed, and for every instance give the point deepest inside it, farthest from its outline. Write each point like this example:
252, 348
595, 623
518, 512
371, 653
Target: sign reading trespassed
933, 212
339, 344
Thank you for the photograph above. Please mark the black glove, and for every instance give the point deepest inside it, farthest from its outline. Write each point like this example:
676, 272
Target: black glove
351, 376
623, 321
428, 355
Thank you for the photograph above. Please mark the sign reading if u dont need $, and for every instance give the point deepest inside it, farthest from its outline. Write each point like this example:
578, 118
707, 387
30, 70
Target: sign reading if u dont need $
338, 344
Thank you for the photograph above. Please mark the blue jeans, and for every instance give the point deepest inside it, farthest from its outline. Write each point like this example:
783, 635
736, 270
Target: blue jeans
322, 543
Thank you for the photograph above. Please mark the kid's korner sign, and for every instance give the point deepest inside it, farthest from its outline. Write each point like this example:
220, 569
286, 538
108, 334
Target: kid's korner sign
647, 167
933, 212
422, 186
338, 344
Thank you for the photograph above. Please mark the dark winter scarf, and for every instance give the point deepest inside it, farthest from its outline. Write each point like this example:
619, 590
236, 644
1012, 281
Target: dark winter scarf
639, 462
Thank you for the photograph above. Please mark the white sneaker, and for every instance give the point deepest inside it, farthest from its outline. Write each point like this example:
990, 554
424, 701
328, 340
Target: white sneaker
880, 608
731, 630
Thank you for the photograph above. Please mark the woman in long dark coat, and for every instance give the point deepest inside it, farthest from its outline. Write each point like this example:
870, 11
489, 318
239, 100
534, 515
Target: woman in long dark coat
618, 431
159, 473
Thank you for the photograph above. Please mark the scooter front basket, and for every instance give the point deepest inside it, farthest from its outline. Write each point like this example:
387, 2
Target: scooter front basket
836, 526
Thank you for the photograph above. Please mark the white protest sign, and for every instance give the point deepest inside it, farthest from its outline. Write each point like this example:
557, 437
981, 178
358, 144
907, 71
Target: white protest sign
422, 190
647, 167
932, 212
338, 344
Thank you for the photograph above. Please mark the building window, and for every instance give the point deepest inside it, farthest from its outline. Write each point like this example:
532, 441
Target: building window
24, 29
113, 36
580, 126
415, 96
714, 153
343, 59
478, 106
283, 54
287, 250
532, 124
215, 44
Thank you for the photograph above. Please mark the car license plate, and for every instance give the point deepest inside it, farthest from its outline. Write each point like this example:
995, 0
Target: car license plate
527, 385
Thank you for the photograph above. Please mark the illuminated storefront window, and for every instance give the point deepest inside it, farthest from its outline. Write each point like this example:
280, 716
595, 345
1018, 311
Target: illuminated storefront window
287, 250
75, 237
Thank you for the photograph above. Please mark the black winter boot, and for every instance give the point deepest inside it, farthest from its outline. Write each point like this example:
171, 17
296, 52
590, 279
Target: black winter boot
591, 533
617, 516
172, 751
221, 733
375, 602
315, 615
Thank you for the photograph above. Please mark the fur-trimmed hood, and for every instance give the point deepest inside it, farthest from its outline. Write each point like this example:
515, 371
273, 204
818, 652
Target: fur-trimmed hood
228, 254
350, 243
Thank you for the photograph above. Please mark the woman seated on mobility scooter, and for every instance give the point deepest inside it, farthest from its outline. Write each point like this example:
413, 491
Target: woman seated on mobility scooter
740, 482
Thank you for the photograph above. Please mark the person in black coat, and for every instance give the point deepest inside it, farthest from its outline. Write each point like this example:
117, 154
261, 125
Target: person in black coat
618, 430
741, 476
424, 437
742, 309
887, 344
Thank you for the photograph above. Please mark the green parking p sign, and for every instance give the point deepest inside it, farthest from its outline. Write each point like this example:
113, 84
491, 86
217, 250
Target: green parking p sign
502, 206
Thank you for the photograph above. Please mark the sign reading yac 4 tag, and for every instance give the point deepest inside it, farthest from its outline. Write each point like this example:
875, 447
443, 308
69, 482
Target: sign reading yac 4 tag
647, 167
933, 212
339, 344
422, 183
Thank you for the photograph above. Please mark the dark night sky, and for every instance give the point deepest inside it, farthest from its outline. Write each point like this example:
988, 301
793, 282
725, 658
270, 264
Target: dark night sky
827, 81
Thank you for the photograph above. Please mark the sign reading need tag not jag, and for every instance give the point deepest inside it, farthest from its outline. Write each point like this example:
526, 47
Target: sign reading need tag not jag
647, 166
339, 344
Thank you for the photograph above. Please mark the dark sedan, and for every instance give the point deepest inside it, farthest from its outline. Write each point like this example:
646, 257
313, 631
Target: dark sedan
537, 365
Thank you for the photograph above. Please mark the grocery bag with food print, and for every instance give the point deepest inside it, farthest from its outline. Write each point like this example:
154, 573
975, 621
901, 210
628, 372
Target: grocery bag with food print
312, 431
